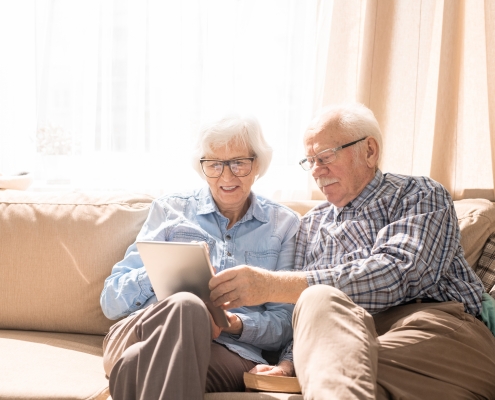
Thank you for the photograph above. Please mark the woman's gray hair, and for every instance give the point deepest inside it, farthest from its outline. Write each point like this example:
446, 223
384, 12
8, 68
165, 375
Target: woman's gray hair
354, 119
233, 129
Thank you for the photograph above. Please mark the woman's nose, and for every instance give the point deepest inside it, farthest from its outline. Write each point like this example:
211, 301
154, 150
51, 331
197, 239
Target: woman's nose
227, 174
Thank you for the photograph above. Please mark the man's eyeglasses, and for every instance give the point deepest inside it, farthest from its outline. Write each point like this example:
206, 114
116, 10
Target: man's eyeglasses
239, 167
324, 157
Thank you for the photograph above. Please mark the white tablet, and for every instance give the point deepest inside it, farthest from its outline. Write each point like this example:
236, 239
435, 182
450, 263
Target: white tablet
180, 267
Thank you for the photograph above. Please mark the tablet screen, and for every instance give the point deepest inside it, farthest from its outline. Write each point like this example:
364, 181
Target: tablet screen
180, 267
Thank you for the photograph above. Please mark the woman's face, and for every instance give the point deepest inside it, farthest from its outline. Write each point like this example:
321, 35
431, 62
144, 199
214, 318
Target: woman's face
231, 192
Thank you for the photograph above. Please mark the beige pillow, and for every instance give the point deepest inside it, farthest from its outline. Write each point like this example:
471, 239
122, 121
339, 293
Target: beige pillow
55, 252
486, 265
477, 222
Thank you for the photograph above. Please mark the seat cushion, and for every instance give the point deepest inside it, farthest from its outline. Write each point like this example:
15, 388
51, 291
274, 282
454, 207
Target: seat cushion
42, 365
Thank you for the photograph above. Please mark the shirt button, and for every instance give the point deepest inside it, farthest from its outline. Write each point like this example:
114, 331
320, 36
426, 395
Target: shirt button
228, 237
349, 258
228, 254
152, 290
138, 303
342, 237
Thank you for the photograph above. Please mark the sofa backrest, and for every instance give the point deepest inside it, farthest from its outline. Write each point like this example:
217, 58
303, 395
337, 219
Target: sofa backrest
56, 249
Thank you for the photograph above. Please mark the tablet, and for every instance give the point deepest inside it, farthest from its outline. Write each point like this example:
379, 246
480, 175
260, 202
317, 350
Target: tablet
180, 267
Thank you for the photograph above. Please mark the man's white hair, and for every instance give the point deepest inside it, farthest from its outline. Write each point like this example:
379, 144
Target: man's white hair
233, 129
353, 119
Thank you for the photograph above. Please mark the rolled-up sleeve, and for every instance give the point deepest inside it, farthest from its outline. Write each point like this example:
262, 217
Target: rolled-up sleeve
269, 330
128, 287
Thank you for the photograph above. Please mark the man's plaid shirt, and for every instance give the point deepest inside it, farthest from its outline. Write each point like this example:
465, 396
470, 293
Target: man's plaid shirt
397, 241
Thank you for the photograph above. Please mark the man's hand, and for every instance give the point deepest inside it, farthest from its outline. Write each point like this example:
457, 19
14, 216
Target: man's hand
249, 286
285, 368
240, 286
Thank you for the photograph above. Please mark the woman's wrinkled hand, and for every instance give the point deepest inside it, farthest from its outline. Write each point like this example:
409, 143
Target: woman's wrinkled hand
215, 330
236, 325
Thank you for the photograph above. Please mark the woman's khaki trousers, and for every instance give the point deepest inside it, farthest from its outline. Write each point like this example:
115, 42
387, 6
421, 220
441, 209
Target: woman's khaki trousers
165, 351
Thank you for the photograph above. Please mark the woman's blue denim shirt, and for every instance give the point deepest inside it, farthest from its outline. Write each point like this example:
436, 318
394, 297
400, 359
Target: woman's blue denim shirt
264, 237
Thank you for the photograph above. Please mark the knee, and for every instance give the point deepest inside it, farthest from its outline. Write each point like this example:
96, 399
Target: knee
186, 304
321, 294
126, 362
124, 370
186, 299
318, 299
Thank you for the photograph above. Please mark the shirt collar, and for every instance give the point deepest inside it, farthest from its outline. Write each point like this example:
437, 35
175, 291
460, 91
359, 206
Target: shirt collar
368, 191
206, 205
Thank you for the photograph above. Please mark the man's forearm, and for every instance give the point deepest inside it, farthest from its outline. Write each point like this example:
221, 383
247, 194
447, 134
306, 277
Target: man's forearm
248, 286
285, 286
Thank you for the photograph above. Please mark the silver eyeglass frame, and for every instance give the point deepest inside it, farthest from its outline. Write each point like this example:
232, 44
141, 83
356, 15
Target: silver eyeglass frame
313, 159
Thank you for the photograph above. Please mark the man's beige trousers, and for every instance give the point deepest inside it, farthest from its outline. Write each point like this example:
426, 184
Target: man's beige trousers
423, 351
165, 351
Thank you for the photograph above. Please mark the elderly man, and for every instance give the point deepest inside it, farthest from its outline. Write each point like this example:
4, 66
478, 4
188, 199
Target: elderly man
386, 304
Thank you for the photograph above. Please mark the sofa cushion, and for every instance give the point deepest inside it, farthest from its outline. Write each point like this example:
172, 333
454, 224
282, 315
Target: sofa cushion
56, 251
477, 223
42, 365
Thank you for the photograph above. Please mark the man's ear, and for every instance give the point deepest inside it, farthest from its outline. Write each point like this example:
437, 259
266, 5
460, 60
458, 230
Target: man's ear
372, 152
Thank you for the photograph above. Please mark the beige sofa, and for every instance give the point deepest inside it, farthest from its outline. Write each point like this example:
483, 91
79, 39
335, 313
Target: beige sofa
56, 249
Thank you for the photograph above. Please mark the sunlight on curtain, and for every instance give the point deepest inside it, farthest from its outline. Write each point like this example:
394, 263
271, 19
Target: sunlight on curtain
122, 86
17, 87
427, 70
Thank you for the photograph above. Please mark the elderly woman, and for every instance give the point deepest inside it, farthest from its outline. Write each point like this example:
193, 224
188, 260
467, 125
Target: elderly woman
172, 349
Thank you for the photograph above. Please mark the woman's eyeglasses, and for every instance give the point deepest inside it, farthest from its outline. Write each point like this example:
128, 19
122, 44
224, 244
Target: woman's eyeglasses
239, 167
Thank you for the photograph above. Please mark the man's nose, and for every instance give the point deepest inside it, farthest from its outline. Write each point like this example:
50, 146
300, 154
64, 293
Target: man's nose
319, 170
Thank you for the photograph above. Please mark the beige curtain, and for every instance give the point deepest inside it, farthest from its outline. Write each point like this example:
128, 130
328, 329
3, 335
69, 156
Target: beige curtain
427, 70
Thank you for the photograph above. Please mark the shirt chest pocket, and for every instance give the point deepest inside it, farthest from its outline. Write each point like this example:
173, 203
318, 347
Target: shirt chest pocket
264, 259
189, 233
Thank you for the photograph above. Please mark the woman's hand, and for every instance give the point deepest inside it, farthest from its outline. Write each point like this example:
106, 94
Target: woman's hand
284, 368
236, 326
215, 330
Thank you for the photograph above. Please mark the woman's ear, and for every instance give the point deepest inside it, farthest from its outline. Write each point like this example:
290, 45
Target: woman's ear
372, 152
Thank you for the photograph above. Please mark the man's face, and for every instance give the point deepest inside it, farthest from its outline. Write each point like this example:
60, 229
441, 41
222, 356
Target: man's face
342, 180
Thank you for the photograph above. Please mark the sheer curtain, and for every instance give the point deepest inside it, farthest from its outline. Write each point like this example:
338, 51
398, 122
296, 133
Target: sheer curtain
112, 92
427, 70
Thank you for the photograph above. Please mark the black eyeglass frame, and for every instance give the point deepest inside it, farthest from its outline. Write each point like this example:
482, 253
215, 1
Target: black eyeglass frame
312, 159
227, 162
